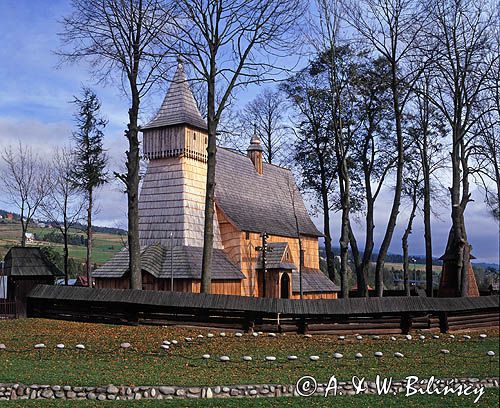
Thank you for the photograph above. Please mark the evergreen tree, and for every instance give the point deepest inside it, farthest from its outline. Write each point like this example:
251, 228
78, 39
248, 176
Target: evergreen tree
89, 171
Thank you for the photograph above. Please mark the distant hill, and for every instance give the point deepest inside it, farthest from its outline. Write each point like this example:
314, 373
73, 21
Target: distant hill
78, 226
486, 265
390, 258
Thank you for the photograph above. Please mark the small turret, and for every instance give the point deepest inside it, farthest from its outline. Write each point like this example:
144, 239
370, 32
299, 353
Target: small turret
254, 152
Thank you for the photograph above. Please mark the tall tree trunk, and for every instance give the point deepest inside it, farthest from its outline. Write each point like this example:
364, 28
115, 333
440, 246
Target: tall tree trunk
384, 247
89, 239
330, 261
344, 240
24, 228
465, 261
133, 164
404, 240
66, 257
361, 276
426, 174
364, 266
427, 231
208, 235
65, 237
457, 248
369, 244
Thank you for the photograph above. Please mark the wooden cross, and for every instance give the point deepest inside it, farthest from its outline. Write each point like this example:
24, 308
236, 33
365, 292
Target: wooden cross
264, 249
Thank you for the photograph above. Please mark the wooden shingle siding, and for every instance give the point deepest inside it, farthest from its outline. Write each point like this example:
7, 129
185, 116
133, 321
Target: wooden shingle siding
172, 201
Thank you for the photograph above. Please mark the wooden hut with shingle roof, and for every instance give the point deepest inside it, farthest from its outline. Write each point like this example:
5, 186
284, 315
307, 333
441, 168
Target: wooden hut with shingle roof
26, 267
252, 198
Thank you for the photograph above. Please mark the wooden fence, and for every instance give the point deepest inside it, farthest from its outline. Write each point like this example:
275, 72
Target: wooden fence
391, 315
7, 309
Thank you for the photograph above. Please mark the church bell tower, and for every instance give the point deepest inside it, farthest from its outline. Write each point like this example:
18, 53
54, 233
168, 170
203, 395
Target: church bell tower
172, 198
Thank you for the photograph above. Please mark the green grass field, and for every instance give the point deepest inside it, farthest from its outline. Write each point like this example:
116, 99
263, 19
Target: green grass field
490, 399
418, 267
103, 362
104, 245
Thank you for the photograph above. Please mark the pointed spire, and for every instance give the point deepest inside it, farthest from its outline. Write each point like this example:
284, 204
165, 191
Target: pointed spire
254, 151
179, 106
255, 143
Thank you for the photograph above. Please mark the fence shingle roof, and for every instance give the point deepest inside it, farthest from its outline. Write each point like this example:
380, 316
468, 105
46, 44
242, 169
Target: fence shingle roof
156, 260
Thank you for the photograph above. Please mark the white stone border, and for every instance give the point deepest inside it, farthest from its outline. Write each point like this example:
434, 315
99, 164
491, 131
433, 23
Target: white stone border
112, 392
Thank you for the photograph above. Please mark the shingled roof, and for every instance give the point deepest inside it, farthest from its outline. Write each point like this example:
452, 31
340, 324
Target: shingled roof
29, 261
186, 262
260, 202
179, 106
275, 257
313, 280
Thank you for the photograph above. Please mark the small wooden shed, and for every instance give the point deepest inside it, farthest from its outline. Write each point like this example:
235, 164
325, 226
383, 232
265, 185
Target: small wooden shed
26, 267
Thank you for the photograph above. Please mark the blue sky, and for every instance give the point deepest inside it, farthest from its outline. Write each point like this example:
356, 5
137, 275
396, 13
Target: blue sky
35, 108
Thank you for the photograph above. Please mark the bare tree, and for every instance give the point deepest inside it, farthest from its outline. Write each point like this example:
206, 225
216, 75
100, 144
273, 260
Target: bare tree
64, 202
391, 28
487, 161
373, 150
314, 150
464, 60
336, 61
265, 115
230, 44
293, 192
412, 191
124, 40
486, 149
24, 182
427, 130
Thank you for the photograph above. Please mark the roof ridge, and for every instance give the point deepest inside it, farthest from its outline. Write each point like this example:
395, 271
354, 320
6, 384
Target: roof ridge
230, 150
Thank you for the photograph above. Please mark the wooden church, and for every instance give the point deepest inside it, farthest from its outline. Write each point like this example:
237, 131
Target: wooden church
252, 198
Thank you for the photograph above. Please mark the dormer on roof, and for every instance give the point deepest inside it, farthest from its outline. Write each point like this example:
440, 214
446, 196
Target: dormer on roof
178, 129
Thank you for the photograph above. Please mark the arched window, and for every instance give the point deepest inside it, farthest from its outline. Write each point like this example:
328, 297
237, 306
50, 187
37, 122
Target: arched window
285, 286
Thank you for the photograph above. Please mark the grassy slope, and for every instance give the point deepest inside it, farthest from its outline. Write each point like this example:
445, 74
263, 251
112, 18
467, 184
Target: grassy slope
105, 245
418, 267
103, 362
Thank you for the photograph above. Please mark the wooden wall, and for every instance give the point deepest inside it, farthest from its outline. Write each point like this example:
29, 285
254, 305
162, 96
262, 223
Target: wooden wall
240, 247
149, 282
19, 287
316, 295
175, 141
220, 287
